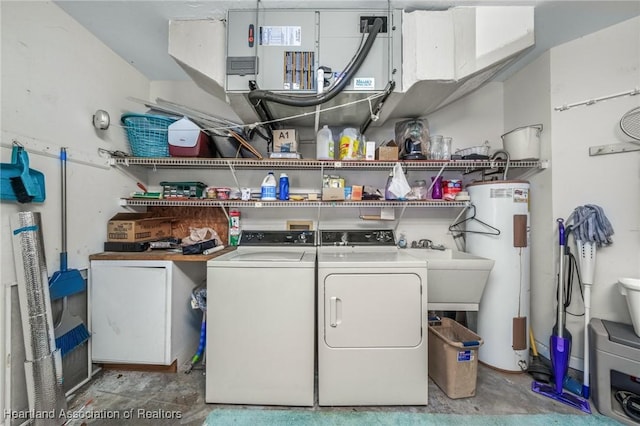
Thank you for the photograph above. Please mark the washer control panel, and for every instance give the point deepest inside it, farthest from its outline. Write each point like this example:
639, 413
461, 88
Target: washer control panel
382, 237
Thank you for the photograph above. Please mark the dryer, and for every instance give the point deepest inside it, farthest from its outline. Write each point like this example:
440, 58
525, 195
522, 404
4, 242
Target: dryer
261, 321
372, 321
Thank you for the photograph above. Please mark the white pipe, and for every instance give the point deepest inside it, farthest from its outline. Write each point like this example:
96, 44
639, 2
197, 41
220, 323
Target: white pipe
319, 90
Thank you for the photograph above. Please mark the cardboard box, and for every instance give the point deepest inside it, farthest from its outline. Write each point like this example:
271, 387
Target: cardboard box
285, 140
356, 192
387, 153
332, 194
370, 151
136, 227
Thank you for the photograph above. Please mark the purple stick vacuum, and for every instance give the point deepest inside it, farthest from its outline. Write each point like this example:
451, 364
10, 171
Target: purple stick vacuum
560, 346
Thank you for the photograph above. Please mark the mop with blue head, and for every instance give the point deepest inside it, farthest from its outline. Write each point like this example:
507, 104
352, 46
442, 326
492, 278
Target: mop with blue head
591, 230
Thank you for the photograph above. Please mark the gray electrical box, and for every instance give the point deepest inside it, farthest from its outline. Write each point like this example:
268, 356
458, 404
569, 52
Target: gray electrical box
282, 49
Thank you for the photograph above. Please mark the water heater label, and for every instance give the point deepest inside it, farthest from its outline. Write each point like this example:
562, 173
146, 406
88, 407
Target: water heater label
520, 195
501, 193
364, 83
280, 36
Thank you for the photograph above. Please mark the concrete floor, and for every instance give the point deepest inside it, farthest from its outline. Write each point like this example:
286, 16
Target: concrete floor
146, 396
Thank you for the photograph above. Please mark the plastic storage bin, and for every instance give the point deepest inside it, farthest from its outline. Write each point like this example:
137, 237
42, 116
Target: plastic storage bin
147, 134
182, 189
186, 139
453, 358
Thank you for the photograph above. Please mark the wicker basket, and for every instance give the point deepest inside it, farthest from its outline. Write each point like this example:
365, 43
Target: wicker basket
148, 134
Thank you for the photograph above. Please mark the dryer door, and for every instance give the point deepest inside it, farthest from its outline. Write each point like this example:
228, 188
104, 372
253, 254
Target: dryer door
372, 310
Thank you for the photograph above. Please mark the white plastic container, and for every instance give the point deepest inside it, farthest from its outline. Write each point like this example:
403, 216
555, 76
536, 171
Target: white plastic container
523, 143
268, 188
630, 289
324, 144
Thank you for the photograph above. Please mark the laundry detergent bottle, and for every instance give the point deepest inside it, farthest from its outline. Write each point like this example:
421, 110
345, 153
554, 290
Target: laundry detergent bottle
283, 193
268, 188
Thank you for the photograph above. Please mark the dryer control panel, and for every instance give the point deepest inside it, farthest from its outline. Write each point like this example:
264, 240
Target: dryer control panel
277, 238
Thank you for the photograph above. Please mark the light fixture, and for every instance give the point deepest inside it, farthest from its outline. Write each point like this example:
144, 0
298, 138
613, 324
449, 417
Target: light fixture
101, 120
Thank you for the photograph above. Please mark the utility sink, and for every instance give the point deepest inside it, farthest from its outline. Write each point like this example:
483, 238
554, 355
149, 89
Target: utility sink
455, 280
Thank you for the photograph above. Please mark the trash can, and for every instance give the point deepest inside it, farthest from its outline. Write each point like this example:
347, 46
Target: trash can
453, 358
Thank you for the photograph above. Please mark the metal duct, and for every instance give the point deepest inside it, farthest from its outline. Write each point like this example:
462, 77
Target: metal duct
43, 365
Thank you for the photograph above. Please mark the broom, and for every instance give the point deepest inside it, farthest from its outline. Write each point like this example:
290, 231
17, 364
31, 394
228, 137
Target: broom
70, 331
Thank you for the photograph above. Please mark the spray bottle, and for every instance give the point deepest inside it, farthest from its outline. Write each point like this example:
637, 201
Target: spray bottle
234, 227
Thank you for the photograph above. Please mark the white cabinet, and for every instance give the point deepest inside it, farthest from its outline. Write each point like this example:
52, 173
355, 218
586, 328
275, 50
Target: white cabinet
141, 312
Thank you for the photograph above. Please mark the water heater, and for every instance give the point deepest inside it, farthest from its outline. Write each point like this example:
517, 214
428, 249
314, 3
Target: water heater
498, 228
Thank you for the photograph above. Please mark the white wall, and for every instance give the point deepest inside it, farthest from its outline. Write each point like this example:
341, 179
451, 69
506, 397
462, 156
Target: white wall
583, 69
55, 75
188, 94
599, 64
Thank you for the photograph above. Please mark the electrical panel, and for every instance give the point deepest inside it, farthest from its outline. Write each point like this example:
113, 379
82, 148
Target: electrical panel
281, 49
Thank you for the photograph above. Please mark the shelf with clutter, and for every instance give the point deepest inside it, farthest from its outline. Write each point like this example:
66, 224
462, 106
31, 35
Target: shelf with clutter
248, 163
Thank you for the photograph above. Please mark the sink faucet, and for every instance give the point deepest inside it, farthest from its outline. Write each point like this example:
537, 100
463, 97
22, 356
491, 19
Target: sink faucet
426, 244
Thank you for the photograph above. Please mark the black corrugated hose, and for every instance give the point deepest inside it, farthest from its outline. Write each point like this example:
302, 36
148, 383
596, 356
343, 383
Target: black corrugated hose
630, 403
258, 95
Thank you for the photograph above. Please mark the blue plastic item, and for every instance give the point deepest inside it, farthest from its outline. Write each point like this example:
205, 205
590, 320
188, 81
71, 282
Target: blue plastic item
18, 181
283, 193
148, 134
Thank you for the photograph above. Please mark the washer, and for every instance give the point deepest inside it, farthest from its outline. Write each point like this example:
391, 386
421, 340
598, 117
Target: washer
372, 321
261, 321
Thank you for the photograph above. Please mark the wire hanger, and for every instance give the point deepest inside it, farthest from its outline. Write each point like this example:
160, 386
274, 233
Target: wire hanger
493, 230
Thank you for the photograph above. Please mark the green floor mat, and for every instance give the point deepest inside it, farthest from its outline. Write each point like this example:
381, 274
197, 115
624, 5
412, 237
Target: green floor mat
259, 416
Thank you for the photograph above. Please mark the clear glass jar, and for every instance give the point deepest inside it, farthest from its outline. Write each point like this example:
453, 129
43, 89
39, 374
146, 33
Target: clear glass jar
420, 189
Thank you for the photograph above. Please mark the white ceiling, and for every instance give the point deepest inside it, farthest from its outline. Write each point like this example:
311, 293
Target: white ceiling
138, 30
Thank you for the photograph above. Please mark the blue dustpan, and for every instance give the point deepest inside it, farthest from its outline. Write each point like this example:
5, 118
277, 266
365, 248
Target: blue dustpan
65, 282
20, 183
